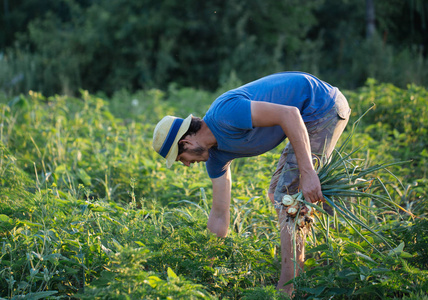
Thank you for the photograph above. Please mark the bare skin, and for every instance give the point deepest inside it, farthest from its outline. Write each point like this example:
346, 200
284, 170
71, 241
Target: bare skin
287, 251
203, 140
263, 114
218, 221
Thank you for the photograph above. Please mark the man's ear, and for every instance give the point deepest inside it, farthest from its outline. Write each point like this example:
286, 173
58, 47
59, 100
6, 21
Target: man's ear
186, 140
183, 142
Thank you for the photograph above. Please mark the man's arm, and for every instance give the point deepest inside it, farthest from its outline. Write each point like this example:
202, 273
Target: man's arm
264, 114
219, 219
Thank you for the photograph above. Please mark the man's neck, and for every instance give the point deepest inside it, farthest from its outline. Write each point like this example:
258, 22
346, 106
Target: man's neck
206, 137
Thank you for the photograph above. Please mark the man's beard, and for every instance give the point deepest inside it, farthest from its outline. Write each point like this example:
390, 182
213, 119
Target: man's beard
199, 151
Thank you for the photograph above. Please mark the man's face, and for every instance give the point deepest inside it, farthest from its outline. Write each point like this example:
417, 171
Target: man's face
192, 154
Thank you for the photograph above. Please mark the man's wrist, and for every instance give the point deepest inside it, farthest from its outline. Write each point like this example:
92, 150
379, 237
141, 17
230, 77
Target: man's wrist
307, 170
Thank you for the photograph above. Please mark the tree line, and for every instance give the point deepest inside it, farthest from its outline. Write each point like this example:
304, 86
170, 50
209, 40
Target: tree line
61, 46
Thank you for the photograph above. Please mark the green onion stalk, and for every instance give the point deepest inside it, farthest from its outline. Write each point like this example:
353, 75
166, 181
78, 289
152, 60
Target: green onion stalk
343, 184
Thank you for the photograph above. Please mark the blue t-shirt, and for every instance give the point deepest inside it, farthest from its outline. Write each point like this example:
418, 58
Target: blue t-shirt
229, 116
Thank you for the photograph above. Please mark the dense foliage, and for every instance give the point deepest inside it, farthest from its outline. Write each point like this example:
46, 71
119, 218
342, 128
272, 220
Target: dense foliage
88, 210
59, 46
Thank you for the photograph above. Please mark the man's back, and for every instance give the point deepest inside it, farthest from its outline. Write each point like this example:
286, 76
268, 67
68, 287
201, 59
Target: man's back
229, 117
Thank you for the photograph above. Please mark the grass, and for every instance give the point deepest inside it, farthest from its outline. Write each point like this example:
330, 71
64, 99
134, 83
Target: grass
84, 200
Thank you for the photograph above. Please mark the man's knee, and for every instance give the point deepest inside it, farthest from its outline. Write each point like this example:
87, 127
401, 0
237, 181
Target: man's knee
271, 198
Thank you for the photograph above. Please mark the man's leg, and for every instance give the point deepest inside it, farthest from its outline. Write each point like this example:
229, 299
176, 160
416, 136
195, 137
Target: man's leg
286, 230
290, 265
323, 135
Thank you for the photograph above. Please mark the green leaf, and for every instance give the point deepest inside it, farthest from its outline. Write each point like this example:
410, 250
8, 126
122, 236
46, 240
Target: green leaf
61, 201
365, 257
322, 247
60, 169
346, 273
399, 248
380, 270
39, 295
311, 262
106, 278
31, 224
351, 246
5, 219
315, 291
86, 179
153, 281
339, 291
140, 244
97, 208
406, 254
171, 273
399, 251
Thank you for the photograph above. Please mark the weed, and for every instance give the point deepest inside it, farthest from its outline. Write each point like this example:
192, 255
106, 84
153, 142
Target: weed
88, 210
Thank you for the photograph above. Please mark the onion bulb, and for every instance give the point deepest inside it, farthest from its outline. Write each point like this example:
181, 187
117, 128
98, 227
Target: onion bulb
288, 200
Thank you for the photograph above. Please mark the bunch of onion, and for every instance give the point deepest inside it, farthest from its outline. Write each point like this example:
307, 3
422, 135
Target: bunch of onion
296, 208
343, 184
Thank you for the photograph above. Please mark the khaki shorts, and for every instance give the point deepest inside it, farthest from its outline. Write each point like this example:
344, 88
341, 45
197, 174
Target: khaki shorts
323, 135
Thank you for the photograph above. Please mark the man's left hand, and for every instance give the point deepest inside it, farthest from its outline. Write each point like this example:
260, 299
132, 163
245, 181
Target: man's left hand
311, 187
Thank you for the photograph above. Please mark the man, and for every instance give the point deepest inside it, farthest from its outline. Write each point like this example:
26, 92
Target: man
254, 119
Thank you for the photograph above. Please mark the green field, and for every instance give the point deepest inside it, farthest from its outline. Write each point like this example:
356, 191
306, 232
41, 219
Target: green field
89, 211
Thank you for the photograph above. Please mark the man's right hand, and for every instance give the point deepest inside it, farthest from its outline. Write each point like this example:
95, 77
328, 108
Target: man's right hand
218, 222
219, 219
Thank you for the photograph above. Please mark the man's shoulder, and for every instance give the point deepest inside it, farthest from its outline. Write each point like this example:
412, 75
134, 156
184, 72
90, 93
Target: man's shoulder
218, 162
229, 111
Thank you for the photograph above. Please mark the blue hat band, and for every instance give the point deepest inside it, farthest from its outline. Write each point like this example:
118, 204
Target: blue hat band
172, 134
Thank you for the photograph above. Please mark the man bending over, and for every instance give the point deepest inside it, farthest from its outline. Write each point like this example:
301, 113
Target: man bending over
251, 120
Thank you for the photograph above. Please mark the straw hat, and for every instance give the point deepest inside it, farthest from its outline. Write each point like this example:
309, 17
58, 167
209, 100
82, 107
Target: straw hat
166, 136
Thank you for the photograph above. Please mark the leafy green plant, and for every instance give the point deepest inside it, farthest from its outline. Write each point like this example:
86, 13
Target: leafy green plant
84, 199
126, 277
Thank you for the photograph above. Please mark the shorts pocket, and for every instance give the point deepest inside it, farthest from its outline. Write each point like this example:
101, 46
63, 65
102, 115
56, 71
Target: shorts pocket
288, 182
342, 107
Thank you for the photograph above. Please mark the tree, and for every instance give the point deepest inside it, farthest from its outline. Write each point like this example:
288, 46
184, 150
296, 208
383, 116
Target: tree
370, 19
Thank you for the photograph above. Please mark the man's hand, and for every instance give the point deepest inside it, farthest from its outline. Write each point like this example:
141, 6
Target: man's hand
219, 219
311, 186
218, 223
